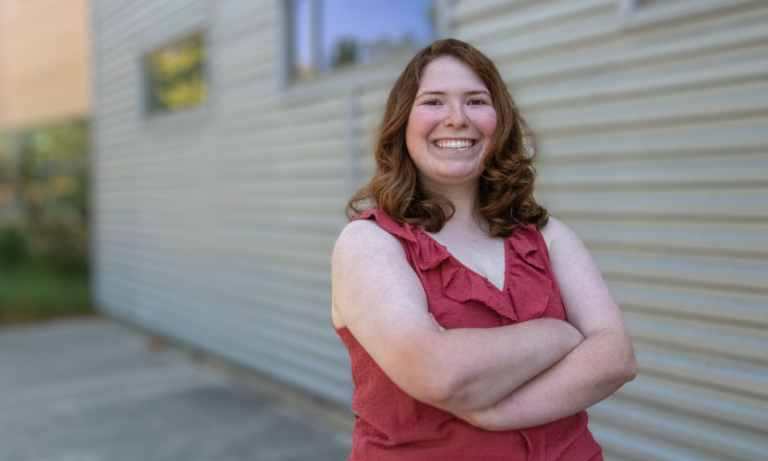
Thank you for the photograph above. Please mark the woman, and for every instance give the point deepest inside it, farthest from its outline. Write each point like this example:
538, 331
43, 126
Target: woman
453, 287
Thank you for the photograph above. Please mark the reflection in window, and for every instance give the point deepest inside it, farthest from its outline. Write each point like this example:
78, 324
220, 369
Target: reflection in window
329, 34
175, 76
301, 19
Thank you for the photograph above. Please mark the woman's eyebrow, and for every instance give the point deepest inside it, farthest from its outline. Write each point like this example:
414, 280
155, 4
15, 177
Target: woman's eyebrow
442, 93
478, 92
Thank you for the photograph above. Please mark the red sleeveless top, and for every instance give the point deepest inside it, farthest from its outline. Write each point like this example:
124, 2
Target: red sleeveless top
391, 425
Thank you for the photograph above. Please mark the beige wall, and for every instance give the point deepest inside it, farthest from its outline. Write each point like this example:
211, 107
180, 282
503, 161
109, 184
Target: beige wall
44, 61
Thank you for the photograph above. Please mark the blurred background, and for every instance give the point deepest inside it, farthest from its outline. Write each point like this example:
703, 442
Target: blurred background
183, 166
45, 113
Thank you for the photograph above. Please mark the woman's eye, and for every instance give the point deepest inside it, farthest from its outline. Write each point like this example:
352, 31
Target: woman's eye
432, 103
477, 102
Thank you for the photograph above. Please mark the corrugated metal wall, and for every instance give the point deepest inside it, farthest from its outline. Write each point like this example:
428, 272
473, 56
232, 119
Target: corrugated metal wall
653, 125
216, 226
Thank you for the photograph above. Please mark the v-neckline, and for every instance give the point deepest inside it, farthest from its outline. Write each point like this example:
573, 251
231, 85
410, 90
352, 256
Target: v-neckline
451, 256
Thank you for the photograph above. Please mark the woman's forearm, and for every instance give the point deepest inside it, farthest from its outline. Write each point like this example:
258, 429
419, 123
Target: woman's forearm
488, 364
591, 372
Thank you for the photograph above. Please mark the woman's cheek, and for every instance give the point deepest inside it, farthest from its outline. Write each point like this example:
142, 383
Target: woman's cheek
486, 122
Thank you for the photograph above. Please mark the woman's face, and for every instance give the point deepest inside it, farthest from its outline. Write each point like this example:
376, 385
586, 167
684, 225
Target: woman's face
451, 124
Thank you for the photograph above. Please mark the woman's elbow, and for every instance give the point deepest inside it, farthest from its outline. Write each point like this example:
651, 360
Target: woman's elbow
436, 392
624, 370
630, 368
447, 391
444, 393
432, 377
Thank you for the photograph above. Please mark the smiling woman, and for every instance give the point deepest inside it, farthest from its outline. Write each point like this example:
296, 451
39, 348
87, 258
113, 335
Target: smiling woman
478, 327
477, 89
451, 124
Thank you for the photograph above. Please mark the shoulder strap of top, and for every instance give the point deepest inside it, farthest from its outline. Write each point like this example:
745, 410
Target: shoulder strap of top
422, 251
530, 246
401, 231
526, 241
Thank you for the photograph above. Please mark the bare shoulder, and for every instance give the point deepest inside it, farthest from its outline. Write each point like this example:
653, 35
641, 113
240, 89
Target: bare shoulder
364, 254
359, 241
364, 237
372, 282
557, 234
587, 300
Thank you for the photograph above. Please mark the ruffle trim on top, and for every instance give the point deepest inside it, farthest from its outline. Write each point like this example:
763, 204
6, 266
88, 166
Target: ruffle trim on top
427, 253
462, 284
525, 270
527, 282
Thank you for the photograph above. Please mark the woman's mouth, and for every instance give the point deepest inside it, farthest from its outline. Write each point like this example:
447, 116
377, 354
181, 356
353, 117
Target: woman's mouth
454, 144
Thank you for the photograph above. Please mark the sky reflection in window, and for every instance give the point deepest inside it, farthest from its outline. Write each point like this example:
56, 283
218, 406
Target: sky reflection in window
357, 31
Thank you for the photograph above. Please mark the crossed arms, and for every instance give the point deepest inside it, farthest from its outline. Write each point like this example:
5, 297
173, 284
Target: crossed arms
502, 378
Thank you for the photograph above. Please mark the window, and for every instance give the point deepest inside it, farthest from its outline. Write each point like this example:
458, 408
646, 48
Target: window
175, 76
330, 34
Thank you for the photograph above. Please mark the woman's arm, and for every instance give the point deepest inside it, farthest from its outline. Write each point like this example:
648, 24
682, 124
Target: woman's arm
380, 299
592, 371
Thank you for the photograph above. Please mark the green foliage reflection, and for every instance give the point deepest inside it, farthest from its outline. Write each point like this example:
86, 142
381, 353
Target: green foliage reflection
175, 76
44, 222
345, 52
53, 191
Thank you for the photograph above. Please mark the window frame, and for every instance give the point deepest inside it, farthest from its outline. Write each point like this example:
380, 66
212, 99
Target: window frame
339, 80
158, 112
156, 39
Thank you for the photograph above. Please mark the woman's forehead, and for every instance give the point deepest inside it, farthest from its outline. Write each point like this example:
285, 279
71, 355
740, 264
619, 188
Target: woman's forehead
448, 74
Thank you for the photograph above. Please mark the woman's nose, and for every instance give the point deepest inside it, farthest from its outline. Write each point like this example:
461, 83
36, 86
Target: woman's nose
456, 116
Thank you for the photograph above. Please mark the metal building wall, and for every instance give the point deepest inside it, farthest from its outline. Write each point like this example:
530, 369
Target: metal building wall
215, 226
652, 119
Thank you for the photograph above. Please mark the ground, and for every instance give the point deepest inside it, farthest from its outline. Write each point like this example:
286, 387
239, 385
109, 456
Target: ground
91, 389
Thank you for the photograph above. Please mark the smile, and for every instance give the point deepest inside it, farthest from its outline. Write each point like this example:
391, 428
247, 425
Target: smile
453, 144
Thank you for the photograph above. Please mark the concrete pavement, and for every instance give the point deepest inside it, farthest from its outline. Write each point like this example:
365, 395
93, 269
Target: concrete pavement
95, 390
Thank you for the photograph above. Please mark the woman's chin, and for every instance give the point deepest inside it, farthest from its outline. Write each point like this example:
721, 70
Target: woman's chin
455, 177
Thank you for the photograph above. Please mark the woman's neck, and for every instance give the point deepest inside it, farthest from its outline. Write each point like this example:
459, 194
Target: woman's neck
464, 201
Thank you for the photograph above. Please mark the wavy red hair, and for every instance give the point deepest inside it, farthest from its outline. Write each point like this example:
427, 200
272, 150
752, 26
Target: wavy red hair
505, 189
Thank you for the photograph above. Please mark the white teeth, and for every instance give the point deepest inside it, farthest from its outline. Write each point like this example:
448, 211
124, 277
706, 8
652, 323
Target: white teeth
454, 144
